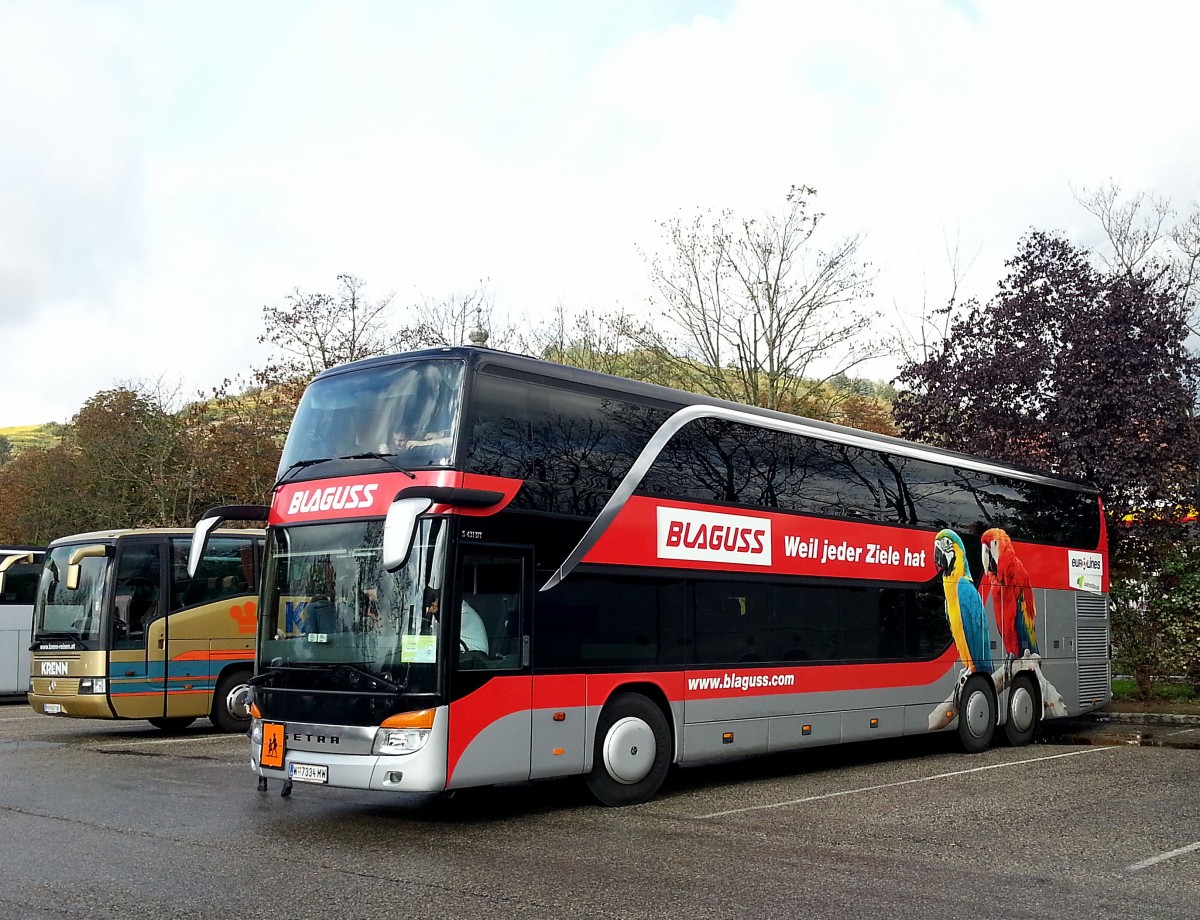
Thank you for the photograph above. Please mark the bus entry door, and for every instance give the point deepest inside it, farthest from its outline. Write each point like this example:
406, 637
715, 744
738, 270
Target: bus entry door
137, 683
489, 662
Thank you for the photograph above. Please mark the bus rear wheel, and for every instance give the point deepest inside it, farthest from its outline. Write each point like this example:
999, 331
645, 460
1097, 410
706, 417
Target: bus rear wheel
633, 751
976, 714
1023, 709
171, 724
230, 711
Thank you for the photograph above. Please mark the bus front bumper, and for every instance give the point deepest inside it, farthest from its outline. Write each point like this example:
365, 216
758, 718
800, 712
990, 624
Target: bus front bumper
422, 771
75, 707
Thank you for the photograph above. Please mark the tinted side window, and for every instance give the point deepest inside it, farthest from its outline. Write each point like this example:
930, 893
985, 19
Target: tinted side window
717, 460
571, 447
933, 495
597, 622
20, 583
501, 440
733, 622
858, 623
228, 569
806, 623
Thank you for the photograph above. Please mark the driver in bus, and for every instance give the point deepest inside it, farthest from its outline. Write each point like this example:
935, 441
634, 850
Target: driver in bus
472, 633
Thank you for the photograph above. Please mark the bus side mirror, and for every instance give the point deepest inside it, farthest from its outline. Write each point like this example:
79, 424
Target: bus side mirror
9, 561
77, 556
204, 526
211, 519
398, 529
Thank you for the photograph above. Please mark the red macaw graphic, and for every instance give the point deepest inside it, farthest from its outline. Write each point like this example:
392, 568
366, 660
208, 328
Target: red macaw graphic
1016, 612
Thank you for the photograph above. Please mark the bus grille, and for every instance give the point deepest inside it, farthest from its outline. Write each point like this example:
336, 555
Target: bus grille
56, 686
1095, 676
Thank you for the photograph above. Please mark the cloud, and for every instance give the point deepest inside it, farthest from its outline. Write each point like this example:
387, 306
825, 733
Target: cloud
171, 169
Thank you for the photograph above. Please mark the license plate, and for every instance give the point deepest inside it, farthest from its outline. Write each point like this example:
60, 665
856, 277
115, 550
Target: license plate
52, 709
308, 773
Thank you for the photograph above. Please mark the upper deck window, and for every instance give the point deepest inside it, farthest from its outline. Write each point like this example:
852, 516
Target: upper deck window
408, 410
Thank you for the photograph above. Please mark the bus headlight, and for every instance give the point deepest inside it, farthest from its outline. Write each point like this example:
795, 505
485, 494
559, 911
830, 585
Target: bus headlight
404, 733
93, 685
399, 740
256, 731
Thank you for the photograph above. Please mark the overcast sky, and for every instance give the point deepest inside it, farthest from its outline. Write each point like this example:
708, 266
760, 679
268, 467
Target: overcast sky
166, 169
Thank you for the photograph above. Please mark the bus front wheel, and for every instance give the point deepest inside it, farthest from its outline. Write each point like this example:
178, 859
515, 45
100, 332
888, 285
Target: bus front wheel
976, 714
633, 751
230, 712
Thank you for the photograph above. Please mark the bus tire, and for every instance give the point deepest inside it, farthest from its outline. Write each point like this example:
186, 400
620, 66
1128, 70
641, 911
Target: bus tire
976, 714
171, 724
1023, 710
229, 710
632, 753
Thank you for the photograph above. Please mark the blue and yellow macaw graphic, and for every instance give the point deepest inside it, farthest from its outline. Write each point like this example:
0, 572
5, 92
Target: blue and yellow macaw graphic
964, 609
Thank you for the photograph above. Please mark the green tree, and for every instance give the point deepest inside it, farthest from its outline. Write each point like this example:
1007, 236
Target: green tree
39, 491
133, 457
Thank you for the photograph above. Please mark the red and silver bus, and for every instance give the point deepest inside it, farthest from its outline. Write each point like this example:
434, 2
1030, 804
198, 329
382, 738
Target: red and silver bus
484, 568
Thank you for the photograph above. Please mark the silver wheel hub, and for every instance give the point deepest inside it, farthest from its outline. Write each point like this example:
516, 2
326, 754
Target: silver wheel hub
1020, 708
629, 750
235, 701
978, 713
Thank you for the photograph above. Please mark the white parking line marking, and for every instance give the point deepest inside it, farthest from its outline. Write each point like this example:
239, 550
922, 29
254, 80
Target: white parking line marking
903, 782
1145, 863
1183, 731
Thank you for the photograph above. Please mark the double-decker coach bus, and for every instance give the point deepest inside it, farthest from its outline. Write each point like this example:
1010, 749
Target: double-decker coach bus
19, 567
121, 631
484, 568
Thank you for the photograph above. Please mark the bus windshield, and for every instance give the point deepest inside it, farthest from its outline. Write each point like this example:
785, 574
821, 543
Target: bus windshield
406, 410
334, 609
63, 613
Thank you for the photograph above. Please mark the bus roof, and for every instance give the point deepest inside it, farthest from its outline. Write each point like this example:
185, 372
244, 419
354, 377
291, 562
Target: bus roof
476, 357
112, 536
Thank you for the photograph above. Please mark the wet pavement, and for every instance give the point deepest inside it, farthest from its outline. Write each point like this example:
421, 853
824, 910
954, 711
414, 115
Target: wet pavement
1115, 726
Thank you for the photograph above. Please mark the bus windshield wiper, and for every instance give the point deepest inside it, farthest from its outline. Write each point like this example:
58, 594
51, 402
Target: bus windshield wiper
299, 465
386, 458
355, 671
363, 672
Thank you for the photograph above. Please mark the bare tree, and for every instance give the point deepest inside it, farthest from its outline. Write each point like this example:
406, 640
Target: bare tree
313, 332
454, 319
1143, 237
612, 343
933, 322
761, 315
1133, 227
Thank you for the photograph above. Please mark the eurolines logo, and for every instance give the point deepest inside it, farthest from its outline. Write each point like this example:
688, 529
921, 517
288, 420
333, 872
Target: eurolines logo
706, 536
332, 498
1085, 571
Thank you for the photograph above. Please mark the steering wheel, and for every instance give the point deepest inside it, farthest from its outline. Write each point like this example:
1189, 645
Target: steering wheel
467, 655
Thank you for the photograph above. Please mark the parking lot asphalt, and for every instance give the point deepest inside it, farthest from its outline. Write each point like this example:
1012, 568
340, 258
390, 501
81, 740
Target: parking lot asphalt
1116, 725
